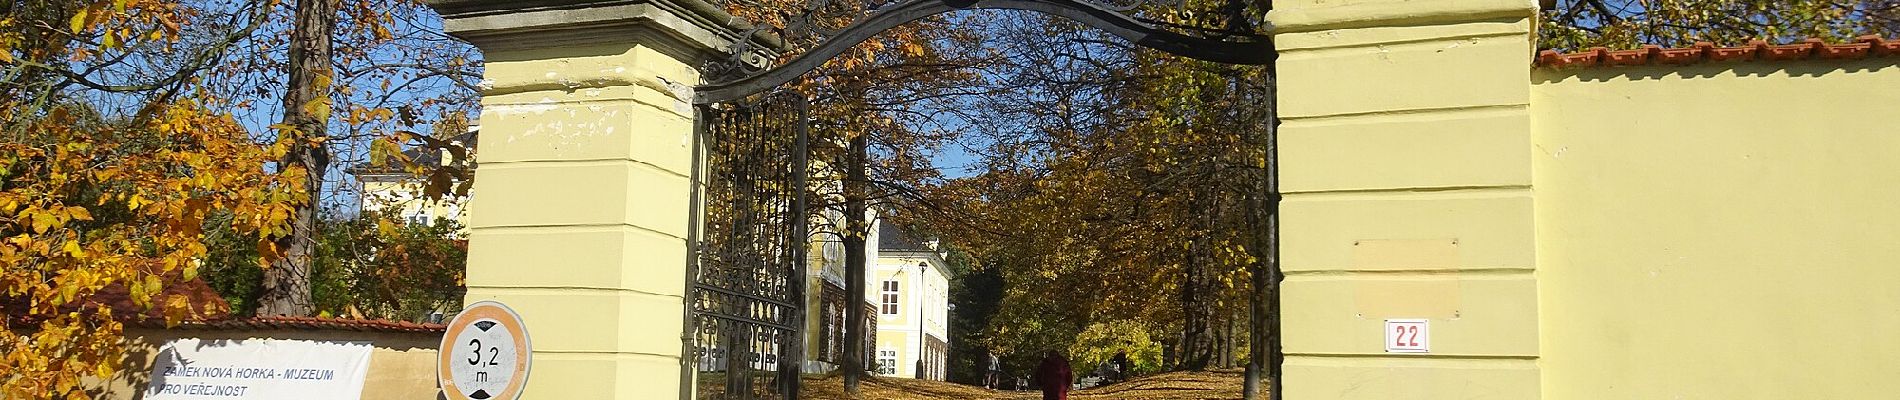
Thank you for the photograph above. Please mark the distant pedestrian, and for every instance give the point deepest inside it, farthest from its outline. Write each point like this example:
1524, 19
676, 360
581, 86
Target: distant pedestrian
1121, 365
1055, 376
995, 376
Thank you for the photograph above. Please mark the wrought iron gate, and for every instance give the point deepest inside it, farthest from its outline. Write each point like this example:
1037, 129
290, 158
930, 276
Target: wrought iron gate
746, 299
748, 285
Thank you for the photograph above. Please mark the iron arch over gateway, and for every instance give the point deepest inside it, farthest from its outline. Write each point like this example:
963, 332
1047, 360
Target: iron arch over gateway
1234, 44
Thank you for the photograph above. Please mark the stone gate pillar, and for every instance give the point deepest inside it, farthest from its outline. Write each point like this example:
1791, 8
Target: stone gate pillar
581, 204
1406, 164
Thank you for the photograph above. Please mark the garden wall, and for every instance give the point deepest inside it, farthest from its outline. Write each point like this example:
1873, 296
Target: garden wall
1719, 230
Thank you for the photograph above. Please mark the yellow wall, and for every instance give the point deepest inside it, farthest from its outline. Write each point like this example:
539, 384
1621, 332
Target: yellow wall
1719, 231
588, 164
401, 367
1406, 157
583, 214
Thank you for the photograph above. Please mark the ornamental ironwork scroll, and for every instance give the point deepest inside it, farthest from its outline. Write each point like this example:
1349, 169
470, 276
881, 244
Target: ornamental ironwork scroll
749, 70
747, 300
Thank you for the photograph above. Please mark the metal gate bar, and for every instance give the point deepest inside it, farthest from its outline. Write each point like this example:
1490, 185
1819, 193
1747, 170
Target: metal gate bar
747, 299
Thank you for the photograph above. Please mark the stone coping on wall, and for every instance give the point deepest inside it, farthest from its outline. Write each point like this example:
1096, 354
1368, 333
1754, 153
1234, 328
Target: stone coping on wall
1864, 47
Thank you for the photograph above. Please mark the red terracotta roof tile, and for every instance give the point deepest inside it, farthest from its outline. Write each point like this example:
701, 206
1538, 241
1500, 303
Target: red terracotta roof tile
1627, 57
1880, 47
1675, 56
1732, 53
1583, 58
1869, 46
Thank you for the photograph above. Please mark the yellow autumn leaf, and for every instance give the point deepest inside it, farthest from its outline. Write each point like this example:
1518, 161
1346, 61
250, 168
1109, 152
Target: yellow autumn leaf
386, 228
79, 20
153, 284
319, 108
176, 310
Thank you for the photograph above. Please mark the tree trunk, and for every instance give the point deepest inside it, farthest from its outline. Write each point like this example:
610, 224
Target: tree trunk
1256, 334
286, 286
1197, 300
1228, 343
1265, 357
856, 230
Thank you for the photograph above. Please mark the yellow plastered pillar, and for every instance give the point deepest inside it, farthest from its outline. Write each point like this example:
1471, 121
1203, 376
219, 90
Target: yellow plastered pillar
1405, 159
582, 212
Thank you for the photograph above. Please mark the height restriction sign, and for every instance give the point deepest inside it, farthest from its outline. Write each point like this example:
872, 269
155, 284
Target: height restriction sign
484, 354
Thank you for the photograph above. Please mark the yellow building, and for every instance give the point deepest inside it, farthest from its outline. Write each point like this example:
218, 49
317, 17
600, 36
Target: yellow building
911, 291
825, 299
392, 191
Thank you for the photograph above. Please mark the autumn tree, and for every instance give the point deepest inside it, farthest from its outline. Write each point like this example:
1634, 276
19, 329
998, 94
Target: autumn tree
94, 199
365, 266
128, 127
306, 109
1628, 24
1120, 172
865, 153
348, 68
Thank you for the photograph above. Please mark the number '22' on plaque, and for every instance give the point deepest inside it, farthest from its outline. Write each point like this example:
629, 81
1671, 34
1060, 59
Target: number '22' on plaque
1407, 336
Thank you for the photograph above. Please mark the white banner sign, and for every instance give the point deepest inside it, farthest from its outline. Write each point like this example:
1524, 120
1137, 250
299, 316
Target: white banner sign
258, 369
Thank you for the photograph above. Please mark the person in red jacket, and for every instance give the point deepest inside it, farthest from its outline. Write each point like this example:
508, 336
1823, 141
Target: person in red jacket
1055, 376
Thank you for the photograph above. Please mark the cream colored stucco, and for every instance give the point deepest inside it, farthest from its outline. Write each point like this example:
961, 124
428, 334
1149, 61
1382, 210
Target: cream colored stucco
583, 215
927, 293
1716, 231
401, 366
1406, 165
1719, 231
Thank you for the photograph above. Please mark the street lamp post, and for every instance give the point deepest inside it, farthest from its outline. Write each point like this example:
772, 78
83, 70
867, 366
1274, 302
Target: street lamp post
921, 267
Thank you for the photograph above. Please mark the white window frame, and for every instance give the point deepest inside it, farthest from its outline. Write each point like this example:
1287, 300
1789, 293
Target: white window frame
887, 362
889, 304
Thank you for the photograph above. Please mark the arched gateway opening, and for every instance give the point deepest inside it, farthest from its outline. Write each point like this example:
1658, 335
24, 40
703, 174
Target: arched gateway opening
638, 158
747, 304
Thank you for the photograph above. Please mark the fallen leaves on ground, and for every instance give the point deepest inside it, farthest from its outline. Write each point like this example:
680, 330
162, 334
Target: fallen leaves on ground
1167, 386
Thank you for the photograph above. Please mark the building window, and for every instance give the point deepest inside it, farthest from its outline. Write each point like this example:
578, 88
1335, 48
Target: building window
890, 297
887, 362
831, 331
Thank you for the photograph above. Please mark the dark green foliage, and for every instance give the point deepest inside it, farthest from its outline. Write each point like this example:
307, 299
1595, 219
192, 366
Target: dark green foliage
364, 267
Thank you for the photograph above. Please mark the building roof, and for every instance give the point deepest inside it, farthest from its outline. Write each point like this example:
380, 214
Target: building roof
891, 237
1863, 47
